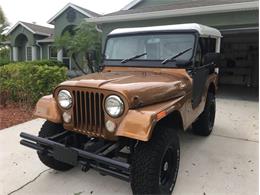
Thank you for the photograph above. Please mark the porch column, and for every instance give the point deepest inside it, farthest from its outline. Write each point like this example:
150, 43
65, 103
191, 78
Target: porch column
15, 54
10, 53
60, 55
34, 53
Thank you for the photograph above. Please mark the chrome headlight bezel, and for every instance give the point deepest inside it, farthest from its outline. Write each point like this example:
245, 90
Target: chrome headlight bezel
64, 99
116, 110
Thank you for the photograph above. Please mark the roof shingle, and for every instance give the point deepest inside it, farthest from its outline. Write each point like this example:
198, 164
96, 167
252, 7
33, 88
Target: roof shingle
39, 29
94, 14
179, 4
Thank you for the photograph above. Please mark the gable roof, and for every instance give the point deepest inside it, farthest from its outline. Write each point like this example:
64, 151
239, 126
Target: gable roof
131, 4
82, 10
33, 28
178, 8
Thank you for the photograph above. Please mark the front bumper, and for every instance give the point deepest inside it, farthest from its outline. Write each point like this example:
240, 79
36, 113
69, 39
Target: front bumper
75, 156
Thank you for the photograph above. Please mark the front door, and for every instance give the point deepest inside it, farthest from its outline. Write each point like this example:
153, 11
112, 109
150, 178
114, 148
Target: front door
200, 74
201, 69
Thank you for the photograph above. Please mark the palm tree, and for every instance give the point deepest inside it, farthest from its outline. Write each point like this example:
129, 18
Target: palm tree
83, 40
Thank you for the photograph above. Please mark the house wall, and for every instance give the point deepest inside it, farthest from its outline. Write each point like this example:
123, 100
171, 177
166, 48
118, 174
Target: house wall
21, 30
31, 41
45, 50
62, 22
222, 20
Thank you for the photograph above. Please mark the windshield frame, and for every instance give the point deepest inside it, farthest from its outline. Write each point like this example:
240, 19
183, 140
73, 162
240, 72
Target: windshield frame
152, 63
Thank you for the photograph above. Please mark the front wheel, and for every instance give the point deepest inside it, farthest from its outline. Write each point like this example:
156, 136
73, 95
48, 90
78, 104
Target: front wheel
49, 129
204, 124
155, 164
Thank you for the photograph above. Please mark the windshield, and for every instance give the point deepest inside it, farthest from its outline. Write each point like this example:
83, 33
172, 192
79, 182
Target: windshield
155, 46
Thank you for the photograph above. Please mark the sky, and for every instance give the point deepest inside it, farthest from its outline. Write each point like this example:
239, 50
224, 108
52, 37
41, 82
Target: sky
40, 11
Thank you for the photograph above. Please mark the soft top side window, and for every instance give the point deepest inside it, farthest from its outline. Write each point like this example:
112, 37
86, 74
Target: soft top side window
208, 45
205, 45
198, 56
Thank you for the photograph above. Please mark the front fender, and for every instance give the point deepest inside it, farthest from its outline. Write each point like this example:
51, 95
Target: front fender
138, 124
47, 108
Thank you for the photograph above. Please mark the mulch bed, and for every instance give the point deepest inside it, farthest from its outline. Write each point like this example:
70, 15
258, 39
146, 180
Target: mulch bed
13, 114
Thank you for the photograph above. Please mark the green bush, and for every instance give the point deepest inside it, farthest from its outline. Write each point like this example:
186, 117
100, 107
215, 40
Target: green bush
46, 62
4, 56
40, 63
4, 61
26, 84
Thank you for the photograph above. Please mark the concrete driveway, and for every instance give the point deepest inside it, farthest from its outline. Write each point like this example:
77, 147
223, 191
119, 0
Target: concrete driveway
225, 163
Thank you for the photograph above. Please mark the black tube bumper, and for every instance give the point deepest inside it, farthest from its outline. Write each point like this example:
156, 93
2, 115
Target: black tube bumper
75, 156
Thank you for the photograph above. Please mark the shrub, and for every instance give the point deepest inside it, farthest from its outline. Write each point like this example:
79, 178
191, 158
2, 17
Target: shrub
26, 84
4, 56
39, 63
46, 62
4, 61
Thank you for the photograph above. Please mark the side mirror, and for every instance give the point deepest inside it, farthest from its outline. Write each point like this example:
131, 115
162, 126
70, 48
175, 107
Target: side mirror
212, 58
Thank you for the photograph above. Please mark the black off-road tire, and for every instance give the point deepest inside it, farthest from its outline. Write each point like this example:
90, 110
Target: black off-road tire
49, 129
148, 173
204, 124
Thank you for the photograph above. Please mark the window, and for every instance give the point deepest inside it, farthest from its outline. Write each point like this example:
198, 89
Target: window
157, 46
65, 53
208, 45
198, 55
28, 53
52, 52
66, 59
212, 45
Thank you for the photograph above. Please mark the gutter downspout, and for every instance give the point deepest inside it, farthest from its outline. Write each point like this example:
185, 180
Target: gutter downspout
40, 49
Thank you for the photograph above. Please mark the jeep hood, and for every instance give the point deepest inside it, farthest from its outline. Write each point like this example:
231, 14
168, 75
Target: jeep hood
139, 88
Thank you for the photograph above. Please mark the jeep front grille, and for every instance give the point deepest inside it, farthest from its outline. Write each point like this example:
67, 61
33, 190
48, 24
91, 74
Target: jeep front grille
88, 113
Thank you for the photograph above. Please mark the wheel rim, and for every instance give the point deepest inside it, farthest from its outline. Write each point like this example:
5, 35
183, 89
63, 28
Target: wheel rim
212, 114
168, 168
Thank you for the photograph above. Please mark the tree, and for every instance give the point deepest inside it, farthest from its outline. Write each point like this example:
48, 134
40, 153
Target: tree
83, 40
4, 50
2, 16
3, 24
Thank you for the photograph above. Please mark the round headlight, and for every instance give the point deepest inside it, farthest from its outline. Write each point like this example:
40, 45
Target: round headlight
114, 106
65, 99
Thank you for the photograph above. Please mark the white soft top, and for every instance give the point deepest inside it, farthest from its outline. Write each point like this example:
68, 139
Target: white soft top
203, 30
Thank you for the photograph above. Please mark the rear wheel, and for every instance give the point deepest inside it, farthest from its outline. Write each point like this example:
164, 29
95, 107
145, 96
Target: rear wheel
204, 124
49, 129
155, 163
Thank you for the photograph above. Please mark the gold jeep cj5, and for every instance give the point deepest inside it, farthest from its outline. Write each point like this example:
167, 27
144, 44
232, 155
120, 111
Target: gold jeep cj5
124, 120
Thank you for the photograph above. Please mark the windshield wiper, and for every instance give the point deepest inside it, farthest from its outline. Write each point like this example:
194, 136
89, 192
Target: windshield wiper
175, 56
132, 58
